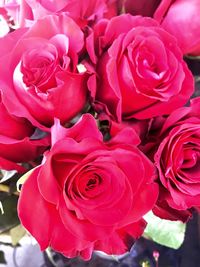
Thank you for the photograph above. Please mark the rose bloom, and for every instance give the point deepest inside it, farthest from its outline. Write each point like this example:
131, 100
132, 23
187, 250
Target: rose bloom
17, 141
140, 69
179, 17
39, 76
178, 161
83, 12
88, 195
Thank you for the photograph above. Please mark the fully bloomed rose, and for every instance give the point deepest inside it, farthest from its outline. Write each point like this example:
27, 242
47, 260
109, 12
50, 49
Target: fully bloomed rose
17, 142
140, 69
88, 195
83, 12
178, 161
39, 76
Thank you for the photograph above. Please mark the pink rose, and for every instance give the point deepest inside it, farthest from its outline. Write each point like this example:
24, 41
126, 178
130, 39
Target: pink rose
178, 17
177, 158
39, 76
140, 69
83, 12
181, 18
90, 194
17, 144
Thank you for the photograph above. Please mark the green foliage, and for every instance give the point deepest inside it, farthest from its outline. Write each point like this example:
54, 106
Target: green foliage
164, 232
9, 218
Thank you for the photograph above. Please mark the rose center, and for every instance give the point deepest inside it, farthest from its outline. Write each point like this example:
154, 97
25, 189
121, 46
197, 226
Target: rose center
92, 183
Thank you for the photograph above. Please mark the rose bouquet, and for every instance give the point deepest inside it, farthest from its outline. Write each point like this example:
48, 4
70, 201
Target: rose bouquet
98, 121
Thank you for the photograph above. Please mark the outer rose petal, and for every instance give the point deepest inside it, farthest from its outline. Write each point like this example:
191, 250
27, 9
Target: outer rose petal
44, 223
9, 166
86, 127
16, 144
170, 13
69, 245
22, 150
121, 241
35, 215
164, 211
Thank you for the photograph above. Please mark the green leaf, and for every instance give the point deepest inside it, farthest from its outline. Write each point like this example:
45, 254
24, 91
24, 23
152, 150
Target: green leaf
164, 232
2, 258
9, 218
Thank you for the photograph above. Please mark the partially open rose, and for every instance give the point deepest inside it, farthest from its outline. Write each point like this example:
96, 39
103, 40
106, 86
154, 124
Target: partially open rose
178, 160
140, 69
39, 76
88, 195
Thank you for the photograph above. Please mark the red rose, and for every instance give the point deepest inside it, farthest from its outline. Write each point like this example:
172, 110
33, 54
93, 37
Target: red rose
38, 71
140, 69
88, 195
178, 160
181, 18
178, 17
16, 145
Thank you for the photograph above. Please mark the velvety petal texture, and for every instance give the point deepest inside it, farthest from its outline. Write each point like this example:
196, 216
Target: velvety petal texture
40, 78
181, 18
91, 194
178, 160
140, 69
83, 12
17, 142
